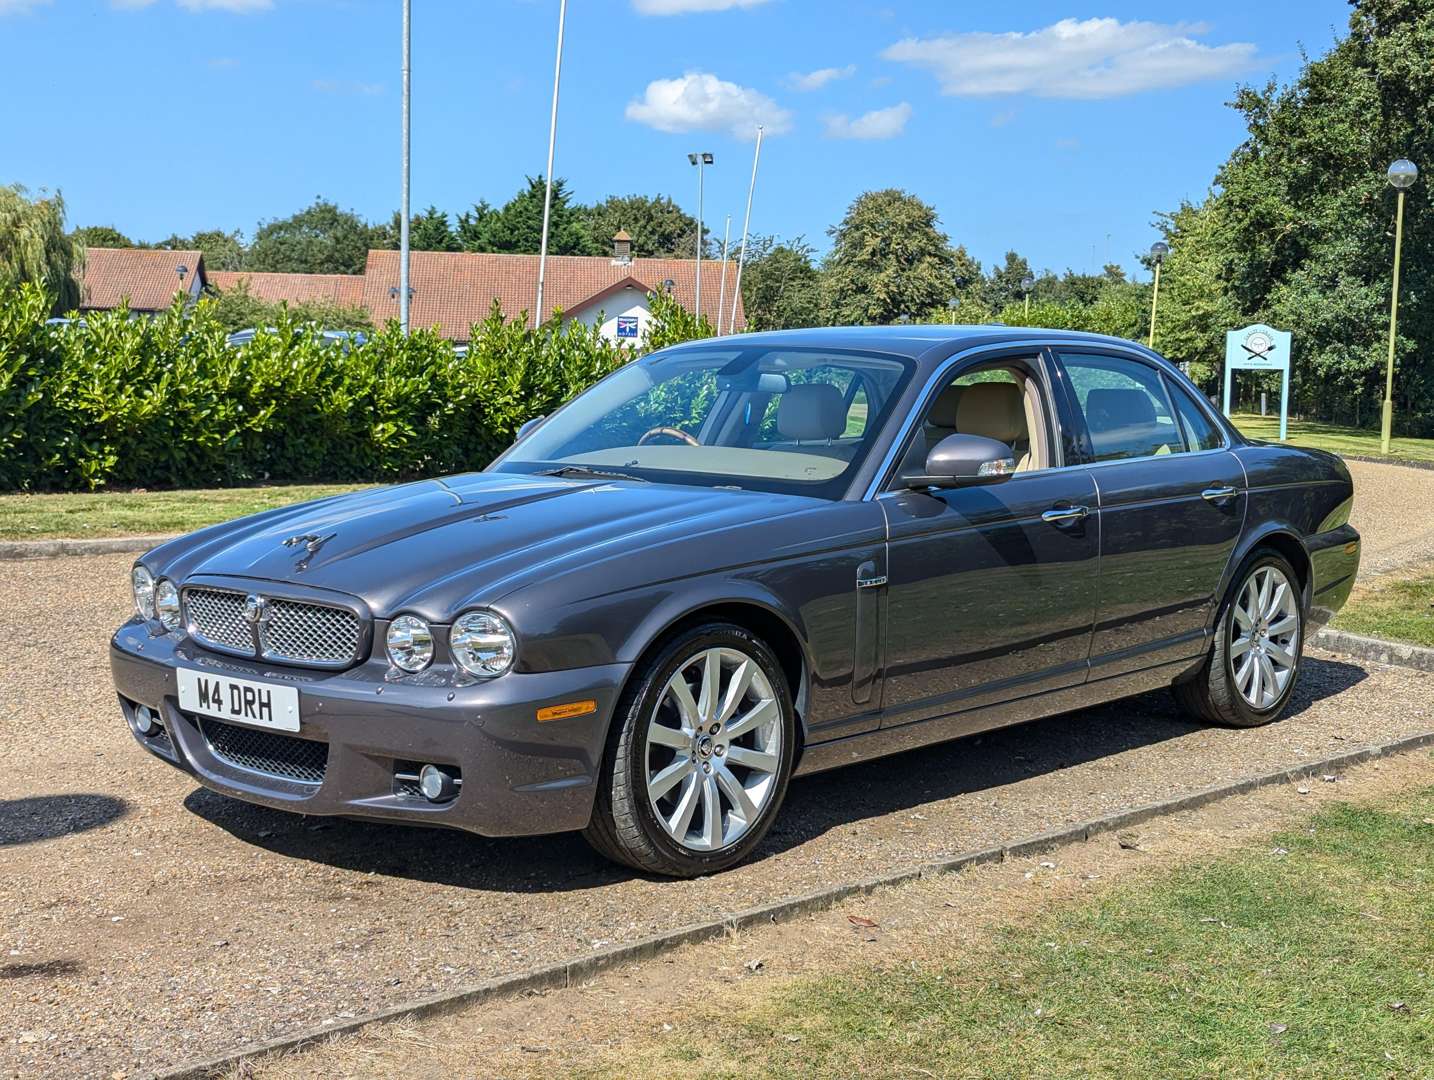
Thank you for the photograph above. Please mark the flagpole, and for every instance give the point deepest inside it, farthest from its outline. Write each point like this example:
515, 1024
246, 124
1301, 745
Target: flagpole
722, 293
746, 224
552, 145
404, 214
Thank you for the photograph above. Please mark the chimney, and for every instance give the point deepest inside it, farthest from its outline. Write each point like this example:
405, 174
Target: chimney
621, 247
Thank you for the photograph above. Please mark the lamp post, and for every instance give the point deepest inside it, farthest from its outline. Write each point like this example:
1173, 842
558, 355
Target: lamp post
1027, 284
1402, 175
548, 188
700, 160
1158, 251
404, 197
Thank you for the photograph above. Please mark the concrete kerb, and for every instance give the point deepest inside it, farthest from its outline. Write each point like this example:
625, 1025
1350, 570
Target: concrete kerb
54, 549
1379, 650
578, 970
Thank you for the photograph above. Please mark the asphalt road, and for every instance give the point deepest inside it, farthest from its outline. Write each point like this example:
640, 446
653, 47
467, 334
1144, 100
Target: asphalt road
145, 922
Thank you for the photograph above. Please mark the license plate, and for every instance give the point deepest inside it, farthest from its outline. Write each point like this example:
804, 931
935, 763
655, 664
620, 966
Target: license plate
243, 701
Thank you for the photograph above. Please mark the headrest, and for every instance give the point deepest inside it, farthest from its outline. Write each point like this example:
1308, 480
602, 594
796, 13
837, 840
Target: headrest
812, 411
1108, 408
943, 409
996, 410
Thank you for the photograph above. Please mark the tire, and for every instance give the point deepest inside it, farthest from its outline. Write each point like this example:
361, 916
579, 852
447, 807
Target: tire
652, 811
1221, 691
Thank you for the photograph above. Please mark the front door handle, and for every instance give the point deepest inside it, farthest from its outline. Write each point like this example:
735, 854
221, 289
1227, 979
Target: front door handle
1062, 515
1219, 493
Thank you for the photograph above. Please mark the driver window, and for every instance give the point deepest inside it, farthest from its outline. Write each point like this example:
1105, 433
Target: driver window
1001, 402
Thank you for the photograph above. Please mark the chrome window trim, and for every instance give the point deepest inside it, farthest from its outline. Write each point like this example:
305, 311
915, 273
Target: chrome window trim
883, 474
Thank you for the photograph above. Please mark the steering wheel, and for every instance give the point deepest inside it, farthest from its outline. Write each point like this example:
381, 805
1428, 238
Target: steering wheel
672, 432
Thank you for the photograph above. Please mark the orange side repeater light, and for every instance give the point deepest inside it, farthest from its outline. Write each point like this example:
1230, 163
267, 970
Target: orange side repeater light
563, 712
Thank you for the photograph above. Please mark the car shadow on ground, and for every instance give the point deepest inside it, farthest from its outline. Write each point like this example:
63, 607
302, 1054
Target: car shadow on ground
814, 804
43, 817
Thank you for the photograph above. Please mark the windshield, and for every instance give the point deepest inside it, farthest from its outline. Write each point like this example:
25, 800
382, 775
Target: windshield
774, 419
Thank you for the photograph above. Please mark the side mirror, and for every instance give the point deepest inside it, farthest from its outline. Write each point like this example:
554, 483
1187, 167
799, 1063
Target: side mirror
529, 427
964, 461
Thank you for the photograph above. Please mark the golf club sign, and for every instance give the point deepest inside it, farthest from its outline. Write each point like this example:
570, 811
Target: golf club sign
1260, 348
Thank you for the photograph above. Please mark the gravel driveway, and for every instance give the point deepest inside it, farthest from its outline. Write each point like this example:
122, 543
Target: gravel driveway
147, 922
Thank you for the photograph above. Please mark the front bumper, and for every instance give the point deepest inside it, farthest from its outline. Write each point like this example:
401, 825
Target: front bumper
520, 777
1334, 563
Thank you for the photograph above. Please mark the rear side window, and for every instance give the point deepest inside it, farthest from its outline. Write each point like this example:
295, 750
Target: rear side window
1200, 432
1125, 407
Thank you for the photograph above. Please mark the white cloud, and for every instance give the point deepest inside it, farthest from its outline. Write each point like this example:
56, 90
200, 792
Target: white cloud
877, 124
701, 102
1091, 58
19, 7
683, 7
815, 80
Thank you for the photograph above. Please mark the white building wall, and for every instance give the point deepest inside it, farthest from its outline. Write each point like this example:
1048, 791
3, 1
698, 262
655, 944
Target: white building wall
627, 304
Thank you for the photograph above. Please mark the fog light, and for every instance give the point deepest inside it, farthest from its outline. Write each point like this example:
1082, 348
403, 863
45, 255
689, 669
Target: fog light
437, 785
142, 721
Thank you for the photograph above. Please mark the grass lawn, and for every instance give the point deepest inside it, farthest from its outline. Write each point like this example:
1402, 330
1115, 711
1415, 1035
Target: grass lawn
1401, 608
131, 513
1341, 440
1310, 957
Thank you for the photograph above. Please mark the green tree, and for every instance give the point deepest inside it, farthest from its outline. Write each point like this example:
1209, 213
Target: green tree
222, 250
1004, 287
781, 285
517, 228
888, 259
35, 248
238, 309
101, 236
320, 239
658, 226
1300, 226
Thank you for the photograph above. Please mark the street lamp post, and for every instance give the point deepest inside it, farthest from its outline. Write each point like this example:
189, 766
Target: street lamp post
548, 188
1402, 175
404, 198
1027, 284
700, 160
1158, 251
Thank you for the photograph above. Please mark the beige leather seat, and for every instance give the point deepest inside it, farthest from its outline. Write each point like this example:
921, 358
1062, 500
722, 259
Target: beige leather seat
996, 410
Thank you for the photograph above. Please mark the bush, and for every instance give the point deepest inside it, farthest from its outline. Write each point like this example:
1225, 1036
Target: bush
166, 402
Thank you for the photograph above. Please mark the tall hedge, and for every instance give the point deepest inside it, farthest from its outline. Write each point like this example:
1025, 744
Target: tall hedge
166, 402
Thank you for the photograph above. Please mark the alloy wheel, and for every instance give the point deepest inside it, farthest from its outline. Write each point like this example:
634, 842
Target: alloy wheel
714, 747
1265, 637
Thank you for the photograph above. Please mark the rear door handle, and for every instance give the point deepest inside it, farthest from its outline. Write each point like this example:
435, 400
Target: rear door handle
1219, 493
1061, 515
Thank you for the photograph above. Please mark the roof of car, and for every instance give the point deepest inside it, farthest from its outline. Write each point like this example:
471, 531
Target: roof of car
917, 339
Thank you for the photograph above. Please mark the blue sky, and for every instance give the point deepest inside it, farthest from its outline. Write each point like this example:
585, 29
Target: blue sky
1056, 127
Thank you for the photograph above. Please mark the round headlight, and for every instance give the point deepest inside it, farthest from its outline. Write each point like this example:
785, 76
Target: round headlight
482, 644
166, 604
410, 643
142, 582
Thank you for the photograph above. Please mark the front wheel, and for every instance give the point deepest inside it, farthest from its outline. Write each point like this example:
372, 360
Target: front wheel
1259, 642
700, 755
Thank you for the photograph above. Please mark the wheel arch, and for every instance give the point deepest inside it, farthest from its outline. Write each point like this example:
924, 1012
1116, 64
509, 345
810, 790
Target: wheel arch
763, 617
1280, 538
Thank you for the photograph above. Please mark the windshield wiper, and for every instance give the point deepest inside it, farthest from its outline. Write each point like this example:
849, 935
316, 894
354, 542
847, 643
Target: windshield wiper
595, 474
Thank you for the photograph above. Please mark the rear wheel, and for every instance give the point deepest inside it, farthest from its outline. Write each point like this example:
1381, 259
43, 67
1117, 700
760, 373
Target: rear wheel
1259, 642
700, 756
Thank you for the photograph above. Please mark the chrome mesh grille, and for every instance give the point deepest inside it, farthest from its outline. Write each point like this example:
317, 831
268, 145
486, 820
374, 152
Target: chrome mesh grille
310, 633
216, 617
267, 752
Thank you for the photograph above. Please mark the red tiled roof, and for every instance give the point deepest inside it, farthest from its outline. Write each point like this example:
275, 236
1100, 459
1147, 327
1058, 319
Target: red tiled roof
148, 278
453, 290
345, 289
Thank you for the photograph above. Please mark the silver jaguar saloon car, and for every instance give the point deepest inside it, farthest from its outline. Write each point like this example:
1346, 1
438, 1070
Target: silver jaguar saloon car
733, 562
